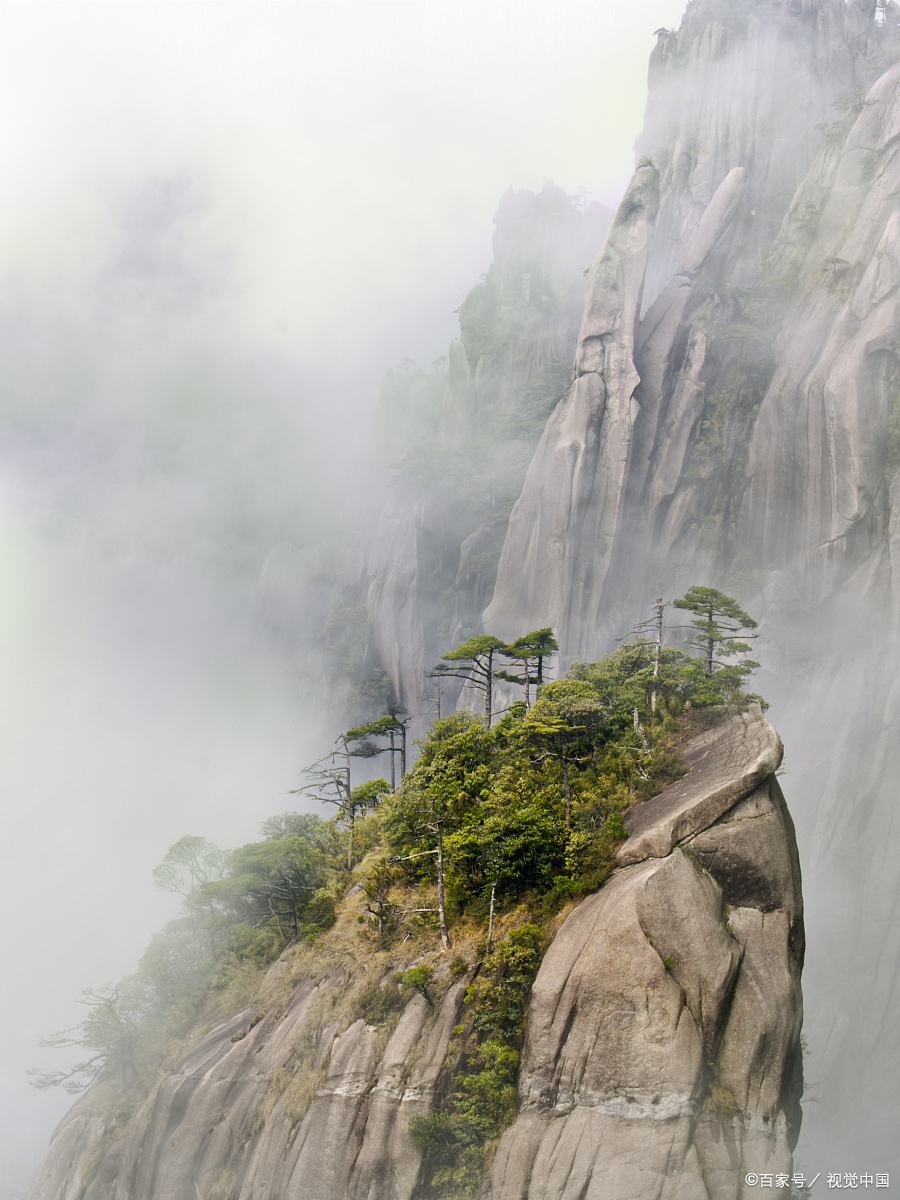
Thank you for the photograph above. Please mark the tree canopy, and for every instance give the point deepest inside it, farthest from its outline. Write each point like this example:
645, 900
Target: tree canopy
718, 622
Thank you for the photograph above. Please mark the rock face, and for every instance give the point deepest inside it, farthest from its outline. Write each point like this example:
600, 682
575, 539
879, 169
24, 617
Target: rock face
653, 445
283, 1109
733, 420
585, 445
662, 1053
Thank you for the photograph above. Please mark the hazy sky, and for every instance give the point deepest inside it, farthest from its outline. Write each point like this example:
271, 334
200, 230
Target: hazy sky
219, 225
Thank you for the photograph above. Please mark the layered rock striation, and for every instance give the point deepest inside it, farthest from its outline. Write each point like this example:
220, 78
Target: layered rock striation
670, 460
662, 1054
292, 1105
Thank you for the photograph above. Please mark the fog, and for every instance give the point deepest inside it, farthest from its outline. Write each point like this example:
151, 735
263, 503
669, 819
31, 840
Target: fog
221, 224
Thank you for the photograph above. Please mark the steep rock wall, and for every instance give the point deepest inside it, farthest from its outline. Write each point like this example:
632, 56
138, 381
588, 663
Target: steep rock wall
229, 1120
730, 132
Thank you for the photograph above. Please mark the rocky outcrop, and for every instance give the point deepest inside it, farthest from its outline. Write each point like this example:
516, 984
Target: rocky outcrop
291, 1105
662, 1054
571, 498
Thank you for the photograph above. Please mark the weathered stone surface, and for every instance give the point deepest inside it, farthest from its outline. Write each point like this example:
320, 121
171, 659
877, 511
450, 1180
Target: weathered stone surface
750, 852
518, 334
394, 600
62, 1174
216, 1126
730, 129
727, 762
680, 911
662, 1049
569, 508
762, 459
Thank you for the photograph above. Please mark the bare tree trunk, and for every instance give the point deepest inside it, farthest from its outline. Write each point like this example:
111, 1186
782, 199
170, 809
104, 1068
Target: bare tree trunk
639, 730
490, 936
656, 658
442, 915
351, 821
212, 932
403, 748
393, 778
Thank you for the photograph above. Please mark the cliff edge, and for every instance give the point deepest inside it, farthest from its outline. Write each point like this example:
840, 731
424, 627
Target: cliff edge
661, 1053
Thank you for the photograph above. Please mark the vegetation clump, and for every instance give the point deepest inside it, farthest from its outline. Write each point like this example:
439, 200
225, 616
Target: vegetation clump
482, 1096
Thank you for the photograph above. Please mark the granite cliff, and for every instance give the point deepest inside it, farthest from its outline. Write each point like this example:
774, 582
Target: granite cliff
661, 1057
733, 415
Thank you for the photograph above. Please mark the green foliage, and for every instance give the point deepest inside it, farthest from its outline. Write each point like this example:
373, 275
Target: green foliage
499, 995
376, 1003
301, 825
318, 914
272, 883
569, 712
111, 1031
531, 649
482, 1095
378, 883
189, 862
369, 795
514, 846
526, 812
451, 774
418, 978
717, 619
474, 661
534, 804
476, 649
